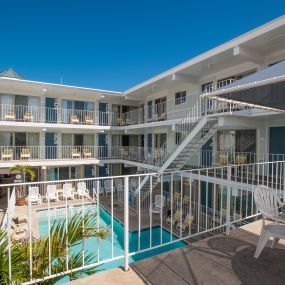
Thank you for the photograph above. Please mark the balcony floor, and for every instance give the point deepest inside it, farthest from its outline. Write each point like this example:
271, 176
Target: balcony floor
215, 260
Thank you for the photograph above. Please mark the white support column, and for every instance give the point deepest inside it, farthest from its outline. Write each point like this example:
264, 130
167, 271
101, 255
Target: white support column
42, 144
228, 214
43, 105
126, 223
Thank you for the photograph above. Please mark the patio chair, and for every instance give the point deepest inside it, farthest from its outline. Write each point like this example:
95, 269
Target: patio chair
185, 223
82, 191
74, 119
34, 195
223, 159
51, 194
107, 187
175, 218
75, 153
7, 154
269, 205
88, 120
67, 191
25, 153
121, 122
158, 204
240, 159
19, 228
10, 116
162, 116
118, 184
86, 152
176, 197
186, 200
28, 116
20, 236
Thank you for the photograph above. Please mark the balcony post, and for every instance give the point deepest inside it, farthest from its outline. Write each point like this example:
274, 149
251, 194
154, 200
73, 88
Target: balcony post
126, 223
228, 213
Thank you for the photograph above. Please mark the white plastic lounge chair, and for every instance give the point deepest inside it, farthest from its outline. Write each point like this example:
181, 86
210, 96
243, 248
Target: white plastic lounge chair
175, 218
25, 153
7, 154
67, 191
51, 195
107, 187
158, 204
187, 222
10, 116
34, 196
82, 190
269, 204
20, 237
75, 153
28, 116
19, 228
118, 184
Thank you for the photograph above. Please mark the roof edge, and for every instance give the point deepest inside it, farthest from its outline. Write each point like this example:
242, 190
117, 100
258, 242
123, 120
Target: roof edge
275, 23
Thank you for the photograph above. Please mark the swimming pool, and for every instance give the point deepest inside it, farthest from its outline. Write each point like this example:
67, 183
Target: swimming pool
92, 245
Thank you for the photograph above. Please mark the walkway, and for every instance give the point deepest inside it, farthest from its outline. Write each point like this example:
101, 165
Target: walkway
214, 261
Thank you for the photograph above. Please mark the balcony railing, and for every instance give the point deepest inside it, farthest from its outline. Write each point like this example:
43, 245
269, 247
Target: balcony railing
31, 153
208, 158
186, 204
158, 112
37, 114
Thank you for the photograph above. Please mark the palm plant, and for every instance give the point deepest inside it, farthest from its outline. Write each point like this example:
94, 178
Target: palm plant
23, 170
64, 236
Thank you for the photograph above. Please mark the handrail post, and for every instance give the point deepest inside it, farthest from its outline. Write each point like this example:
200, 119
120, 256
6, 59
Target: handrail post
228, 213
126, 223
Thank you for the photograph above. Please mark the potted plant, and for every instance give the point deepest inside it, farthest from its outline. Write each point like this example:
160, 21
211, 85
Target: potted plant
23, 170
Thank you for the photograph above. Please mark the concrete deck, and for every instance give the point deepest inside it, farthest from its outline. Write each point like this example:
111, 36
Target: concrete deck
111, 277
215, 260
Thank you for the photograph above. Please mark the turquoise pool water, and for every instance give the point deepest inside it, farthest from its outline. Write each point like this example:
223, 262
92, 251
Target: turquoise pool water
91, 244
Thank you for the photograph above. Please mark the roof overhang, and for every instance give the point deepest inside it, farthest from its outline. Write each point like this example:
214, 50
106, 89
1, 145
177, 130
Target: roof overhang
256, 46
36, 88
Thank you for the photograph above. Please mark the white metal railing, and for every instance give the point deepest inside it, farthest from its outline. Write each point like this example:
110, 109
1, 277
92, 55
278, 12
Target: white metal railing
203, 201
37, 114
157, 112
151, 156
204, 107
208, 158
10, 207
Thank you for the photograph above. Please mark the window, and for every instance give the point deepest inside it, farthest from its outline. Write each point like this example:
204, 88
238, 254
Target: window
160, 106
178, 137
180, 97
207, 87
226, 81
159, 140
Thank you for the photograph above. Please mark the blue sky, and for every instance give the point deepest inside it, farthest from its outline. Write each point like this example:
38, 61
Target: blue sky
115, 44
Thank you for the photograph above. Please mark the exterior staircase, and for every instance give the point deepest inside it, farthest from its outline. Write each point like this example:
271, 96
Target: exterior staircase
195, 129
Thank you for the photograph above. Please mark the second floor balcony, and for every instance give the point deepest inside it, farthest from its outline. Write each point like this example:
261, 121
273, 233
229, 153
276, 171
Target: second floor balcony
152, 156
154, 113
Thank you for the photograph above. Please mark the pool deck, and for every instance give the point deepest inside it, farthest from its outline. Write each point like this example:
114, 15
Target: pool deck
115, 276
24, 211
216, 260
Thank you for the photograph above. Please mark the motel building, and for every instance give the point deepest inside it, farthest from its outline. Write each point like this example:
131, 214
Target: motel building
180, 158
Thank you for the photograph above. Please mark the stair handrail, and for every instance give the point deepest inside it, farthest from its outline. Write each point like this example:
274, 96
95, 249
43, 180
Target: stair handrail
202, 108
